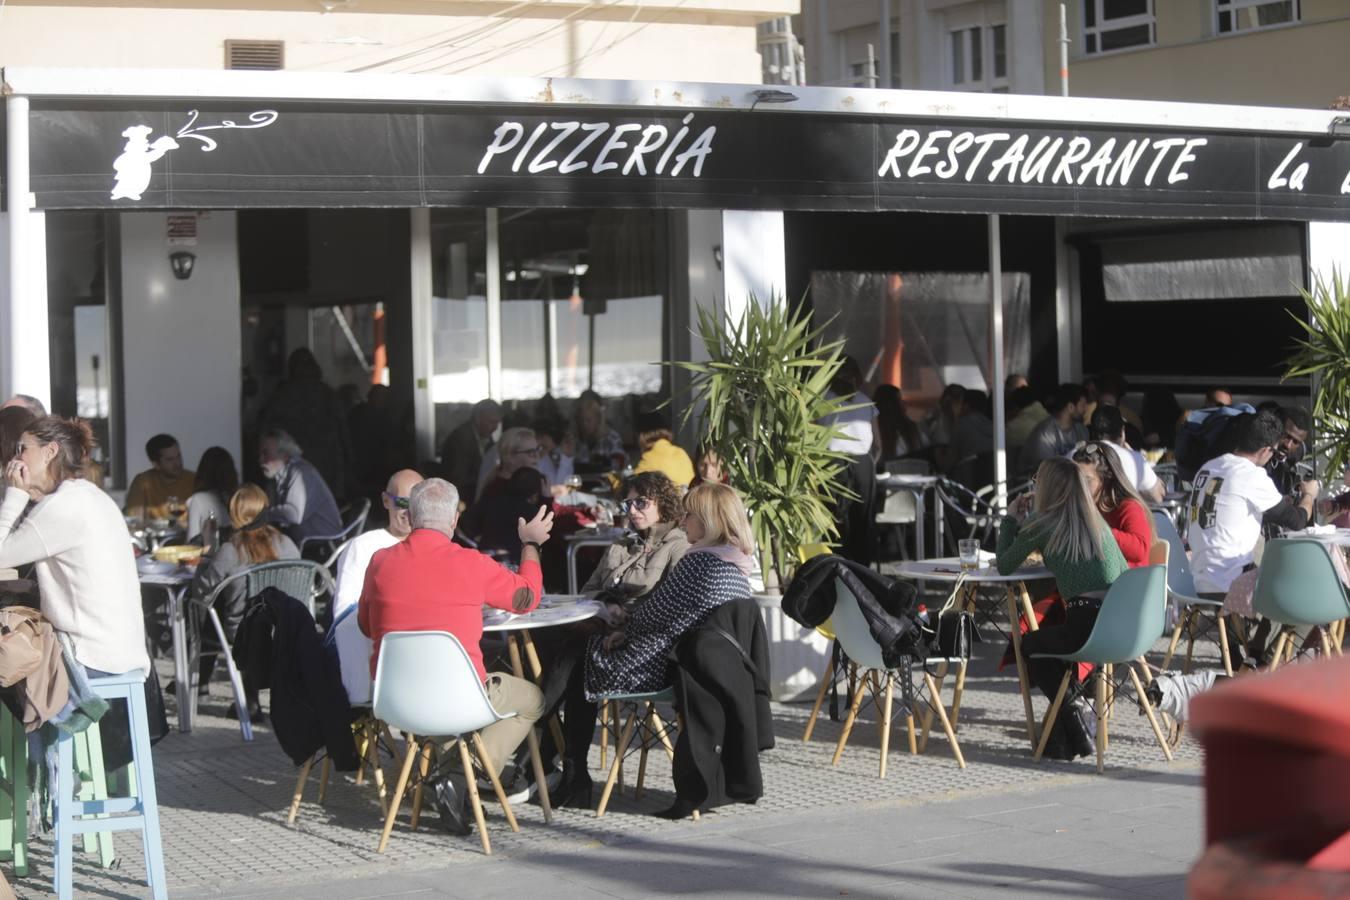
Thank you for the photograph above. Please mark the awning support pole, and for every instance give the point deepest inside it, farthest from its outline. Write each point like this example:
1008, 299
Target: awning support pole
1000, 498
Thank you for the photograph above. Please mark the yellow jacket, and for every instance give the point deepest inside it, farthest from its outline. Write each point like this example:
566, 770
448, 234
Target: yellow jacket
669, 460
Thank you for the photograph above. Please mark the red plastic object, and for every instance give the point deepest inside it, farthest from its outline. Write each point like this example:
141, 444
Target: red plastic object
1277, 784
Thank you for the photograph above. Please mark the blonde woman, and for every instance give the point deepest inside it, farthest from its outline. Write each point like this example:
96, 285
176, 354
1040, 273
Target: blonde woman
713, 571
253, 542
1079, 548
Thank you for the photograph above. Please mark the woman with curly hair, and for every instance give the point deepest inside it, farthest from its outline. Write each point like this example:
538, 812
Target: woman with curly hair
631, 568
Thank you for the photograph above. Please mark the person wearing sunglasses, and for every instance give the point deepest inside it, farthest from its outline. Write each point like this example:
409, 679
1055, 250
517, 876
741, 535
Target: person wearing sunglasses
353, 648
632, 568
518, 449
1117, 500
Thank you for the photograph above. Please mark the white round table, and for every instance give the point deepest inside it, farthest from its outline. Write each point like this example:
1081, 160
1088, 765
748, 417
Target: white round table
949, 570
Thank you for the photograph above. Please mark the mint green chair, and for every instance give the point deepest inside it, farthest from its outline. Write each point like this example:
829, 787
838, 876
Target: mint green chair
650, 729
13, 792
1298, 587
1131, 620
1182, 593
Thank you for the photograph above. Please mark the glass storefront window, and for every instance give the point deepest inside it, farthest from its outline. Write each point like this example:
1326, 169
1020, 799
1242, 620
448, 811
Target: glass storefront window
459, 313
923, 330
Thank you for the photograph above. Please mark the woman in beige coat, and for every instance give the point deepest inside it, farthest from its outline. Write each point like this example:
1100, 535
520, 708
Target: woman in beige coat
632, 567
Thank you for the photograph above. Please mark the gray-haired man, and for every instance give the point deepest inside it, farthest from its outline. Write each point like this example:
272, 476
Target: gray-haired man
301, 501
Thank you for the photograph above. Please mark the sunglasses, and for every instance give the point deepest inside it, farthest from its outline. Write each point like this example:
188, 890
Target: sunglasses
399, 502
638, 503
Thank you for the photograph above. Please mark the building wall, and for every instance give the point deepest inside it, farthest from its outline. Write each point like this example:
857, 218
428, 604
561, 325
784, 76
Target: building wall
698, 40
1299, 65
180, 339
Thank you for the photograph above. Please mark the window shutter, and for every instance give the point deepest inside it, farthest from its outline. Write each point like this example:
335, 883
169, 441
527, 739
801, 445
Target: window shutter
255, 54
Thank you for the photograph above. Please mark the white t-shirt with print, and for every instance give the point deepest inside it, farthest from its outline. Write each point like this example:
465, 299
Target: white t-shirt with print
1230, 495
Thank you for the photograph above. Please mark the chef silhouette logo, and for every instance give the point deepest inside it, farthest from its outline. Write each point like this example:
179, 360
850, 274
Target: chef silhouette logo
132, 169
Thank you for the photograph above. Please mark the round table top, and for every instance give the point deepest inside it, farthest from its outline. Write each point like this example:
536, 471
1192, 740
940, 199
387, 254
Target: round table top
949, 569
553, 609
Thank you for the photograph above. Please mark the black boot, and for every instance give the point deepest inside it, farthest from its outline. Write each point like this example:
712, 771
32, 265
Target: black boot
1080, 726
680, 809
575, 789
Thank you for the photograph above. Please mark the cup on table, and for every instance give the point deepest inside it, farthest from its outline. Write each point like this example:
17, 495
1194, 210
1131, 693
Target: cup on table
969, 550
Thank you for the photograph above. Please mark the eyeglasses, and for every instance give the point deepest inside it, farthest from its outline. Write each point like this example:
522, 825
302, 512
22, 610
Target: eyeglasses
21, 447
527, 451
399, 502
638, 503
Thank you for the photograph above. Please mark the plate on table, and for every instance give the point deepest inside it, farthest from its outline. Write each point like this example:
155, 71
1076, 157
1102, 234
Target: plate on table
496, 616
553, 601
147, 565
187, 554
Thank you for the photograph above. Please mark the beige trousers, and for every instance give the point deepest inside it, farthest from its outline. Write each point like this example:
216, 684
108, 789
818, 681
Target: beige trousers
509, 694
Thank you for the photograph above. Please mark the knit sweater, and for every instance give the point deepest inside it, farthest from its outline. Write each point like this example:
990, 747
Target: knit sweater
1133, 531
86, 571
1073, 578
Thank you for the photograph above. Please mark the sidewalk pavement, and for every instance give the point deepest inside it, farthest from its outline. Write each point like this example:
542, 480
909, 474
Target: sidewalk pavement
1006, 826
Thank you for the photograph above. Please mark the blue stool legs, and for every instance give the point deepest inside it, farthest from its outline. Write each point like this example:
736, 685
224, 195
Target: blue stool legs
139, 811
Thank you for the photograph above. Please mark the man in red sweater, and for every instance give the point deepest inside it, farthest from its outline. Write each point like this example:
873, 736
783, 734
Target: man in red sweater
429, 583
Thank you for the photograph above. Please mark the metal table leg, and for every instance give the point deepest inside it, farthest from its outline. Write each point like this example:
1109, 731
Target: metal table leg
183, 686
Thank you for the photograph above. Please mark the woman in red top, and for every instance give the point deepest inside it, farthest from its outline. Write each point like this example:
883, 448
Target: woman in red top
1117, 501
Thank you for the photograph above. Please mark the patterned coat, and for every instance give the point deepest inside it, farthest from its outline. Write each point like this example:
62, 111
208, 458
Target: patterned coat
699, 584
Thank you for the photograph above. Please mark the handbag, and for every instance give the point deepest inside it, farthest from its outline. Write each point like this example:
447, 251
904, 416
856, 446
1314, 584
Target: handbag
953, 630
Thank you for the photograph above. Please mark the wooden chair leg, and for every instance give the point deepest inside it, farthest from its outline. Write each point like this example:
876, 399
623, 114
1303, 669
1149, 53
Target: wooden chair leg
362, 744
1190, 640
491, 769
423, 767
399, 788
620, 748
1277, 656
928, 713
960, 692
1224, 652
1148, 711
946, 723
324, 773
1105, 716
1052, 713
886, 726
372, 759
1176, 638
299, 790
537, 763
474, 800
1101, 677
848, 722
663, 733
825, 679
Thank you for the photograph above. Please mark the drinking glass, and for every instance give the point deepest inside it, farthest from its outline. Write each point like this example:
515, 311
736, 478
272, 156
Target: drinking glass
969, 549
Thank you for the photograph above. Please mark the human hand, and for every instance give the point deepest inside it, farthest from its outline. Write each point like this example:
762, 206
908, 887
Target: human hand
613, 640
617, 614
1311, 488
16, 474
537, 530
1021, 506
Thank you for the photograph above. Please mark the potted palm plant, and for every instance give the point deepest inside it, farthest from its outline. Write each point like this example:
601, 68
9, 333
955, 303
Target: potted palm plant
761, 397
1324, 355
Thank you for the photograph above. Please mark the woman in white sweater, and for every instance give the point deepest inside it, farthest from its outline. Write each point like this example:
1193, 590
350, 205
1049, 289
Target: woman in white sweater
77, 539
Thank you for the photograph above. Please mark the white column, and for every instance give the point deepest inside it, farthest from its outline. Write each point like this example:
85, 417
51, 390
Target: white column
494, 307
27, 368
1328, 249
754, 259
996, 369
423, 332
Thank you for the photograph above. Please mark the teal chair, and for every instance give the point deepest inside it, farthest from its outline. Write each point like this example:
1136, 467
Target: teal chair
644, 721
1181, 590
1131, 620
1298, 587
855, 639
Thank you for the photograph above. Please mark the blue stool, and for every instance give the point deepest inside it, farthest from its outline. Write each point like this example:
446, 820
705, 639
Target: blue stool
139, 811
651, 730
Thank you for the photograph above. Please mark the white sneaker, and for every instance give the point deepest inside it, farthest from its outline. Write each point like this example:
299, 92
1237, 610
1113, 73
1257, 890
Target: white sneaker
514, 786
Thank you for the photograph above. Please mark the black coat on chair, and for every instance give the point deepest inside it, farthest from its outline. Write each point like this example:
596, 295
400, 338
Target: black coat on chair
278, 645
722, 689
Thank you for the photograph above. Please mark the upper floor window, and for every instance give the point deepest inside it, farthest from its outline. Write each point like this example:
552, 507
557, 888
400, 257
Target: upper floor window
1249, 15
979, 58
1117, 25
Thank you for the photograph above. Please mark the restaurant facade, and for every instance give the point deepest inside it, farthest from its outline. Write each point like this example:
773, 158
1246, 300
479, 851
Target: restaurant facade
171, 236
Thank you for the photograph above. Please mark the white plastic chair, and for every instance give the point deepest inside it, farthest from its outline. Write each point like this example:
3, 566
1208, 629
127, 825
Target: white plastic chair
426, 687
850, 629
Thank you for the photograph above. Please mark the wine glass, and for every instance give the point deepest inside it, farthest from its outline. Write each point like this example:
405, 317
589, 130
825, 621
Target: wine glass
175, 507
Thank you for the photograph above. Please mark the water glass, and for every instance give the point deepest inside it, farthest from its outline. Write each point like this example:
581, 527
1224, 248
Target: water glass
969, 549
